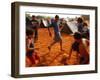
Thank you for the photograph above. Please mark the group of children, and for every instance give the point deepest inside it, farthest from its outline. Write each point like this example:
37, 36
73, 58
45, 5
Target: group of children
81, 42
79, 45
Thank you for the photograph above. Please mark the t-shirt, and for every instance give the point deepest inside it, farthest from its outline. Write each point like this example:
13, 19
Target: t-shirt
75, 46
34, 24
56, 27
80, 27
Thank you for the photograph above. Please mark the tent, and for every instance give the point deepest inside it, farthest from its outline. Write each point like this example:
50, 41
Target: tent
70, 27
44, 23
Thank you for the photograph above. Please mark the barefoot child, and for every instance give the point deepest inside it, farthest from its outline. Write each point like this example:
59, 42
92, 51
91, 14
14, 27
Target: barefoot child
57, 34
30, 53
80, 46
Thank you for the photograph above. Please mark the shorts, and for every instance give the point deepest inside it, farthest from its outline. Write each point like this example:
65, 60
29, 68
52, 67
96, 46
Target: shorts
57, 37
29, 53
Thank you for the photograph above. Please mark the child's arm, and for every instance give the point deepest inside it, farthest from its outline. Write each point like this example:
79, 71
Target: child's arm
49, 31
28, 46
61, 27
86, 44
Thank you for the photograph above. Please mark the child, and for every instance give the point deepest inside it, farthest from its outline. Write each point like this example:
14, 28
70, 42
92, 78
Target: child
30, 53
57, 34
80, 46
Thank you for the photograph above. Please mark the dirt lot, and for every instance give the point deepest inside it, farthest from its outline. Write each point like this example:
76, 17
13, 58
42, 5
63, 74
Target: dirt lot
55, 57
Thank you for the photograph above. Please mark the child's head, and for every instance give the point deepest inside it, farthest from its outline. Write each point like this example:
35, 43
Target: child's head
77, 36
56, 17
33, 17
29, 33
80, 20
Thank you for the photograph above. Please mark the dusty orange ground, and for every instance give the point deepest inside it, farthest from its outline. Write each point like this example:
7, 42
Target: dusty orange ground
55, 57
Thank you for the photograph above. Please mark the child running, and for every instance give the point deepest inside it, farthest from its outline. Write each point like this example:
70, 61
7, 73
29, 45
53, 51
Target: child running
81, 47
57, 34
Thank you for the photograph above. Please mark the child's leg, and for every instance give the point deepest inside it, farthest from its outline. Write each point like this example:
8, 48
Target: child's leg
28, 62
32, 60
37, 57
49, 47
29, 55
